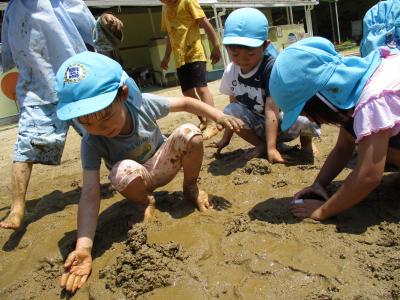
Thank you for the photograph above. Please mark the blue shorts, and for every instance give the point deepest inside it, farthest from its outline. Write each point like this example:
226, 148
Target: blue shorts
41, 135
255, 122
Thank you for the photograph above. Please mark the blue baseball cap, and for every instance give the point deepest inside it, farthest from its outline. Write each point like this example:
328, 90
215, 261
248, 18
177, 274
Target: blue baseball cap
312, 65
381, 27
86, 83
246, 27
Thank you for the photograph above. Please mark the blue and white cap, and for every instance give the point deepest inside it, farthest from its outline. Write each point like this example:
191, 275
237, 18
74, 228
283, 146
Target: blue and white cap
246, 27
381, 27
88, 82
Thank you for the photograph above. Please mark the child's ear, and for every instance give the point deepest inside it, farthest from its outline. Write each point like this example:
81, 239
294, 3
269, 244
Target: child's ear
124, 92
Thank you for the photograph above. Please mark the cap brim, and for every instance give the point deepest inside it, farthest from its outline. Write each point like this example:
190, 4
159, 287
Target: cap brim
71, 110
243, 41
291, 116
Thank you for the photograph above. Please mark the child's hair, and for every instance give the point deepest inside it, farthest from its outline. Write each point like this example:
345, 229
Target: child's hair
101, 114
320, 112
237, 47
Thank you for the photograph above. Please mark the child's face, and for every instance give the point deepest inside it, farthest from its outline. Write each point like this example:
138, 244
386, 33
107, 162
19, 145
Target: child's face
246, 58
108, 122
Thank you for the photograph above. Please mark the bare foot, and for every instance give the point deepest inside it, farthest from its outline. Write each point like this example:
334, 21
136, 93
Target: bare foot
149, 213
14, 220
210, 131
307, 209
308, 147
258, 151
198, 197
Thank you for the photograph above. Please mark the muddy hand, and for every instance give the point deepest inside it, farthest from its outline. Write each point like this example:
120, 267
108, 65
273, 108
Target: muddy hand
164, 63
78, 266
113, 25
215, 55
230, 122
308, 208
314, 191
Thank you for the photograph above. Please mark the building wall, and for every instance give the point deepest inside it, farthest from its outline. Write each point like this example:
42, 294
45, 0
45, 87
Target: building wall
348, 11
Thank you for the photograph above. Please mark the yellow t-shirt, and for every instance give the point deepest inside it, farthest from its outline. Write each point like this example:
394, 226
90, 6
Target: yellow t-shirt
180, 21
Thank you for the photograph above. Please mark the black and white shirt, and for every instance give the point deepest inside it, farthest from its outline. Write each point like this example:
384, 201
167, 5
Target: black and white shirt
250, 89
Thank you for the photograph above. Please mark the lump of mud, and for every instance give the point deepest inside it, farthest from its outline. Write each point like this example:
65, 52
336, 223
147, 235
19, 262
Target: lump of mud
257, 166
239, 223
144, 266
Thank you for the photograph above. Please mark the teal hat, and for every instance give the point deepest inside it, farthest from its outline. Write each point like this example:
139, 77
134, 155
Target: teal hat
86, 83
246, 27
312, 65
381, 27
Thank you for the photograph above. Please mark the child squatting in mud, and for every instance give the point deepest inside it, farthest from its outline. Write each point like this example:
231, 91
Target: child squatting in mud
122, 130
245, 81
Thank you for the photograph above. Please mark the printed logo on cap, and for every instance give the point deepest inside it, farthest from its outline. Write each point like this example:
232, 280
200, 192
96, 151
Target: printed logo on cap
74, 73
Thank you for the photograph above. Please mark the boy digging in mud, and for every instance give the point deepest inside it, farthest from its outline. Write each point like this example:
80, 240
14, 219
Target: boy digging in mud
122, 130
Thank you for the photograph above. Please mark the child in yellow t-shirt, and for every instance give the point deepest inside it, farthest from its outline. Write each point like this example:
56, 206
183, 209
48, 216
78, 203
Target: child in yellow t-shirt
182, 20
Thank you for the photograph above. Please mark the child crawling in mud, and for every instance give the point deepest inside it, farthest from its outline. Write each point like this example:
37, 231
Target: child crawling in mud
122, 130
362, 97
245, 81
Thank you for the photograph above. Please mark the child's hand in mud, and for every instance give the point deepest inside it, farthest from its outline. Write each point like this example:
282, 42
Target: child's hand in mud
307, 208
219, 145
78, 266
314, 191
230, 122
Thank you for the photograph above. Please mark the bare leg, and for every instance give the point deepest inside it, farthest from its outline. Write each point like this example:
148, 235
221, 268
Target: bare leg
21, 173
206, 96
192, 93
137, 191
191, 163
260, 146
308, 147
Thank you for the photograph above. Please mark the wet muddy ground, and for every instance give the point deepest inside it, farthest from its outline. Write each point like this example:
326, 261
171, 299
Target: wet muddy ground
248, 247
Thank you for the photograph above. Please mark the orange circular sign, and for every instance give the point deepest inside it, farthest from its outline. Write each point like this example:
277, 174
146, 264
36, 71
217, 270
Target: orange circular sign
9, 85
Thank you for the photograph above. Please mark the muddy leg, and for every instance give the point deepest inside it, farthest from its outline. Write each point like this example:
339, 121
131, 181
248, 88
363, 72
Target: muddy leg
137, 191
21, 173
191, 163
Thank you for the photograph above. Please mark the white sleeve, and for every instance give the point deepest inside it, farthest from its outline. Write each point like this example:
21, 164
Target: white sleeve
226, 87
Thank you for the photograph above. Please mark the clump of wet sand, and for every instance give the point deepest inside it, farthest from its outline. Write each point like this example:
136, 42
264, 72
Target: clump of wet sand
144, 266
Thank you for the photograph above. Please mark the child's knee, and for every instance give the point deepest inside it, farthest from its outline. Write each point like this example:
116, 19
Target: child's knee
196, 142
126, 173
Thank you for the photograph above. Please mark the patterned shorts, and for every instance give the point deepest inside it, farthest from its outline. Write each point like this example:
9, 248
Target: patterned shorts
41, 135
159, 169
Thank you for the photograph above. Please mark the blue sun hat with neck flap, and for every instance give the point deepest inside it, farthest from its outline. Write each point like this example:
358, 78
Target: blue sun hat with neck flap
381, 27
312, 65
89, 82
